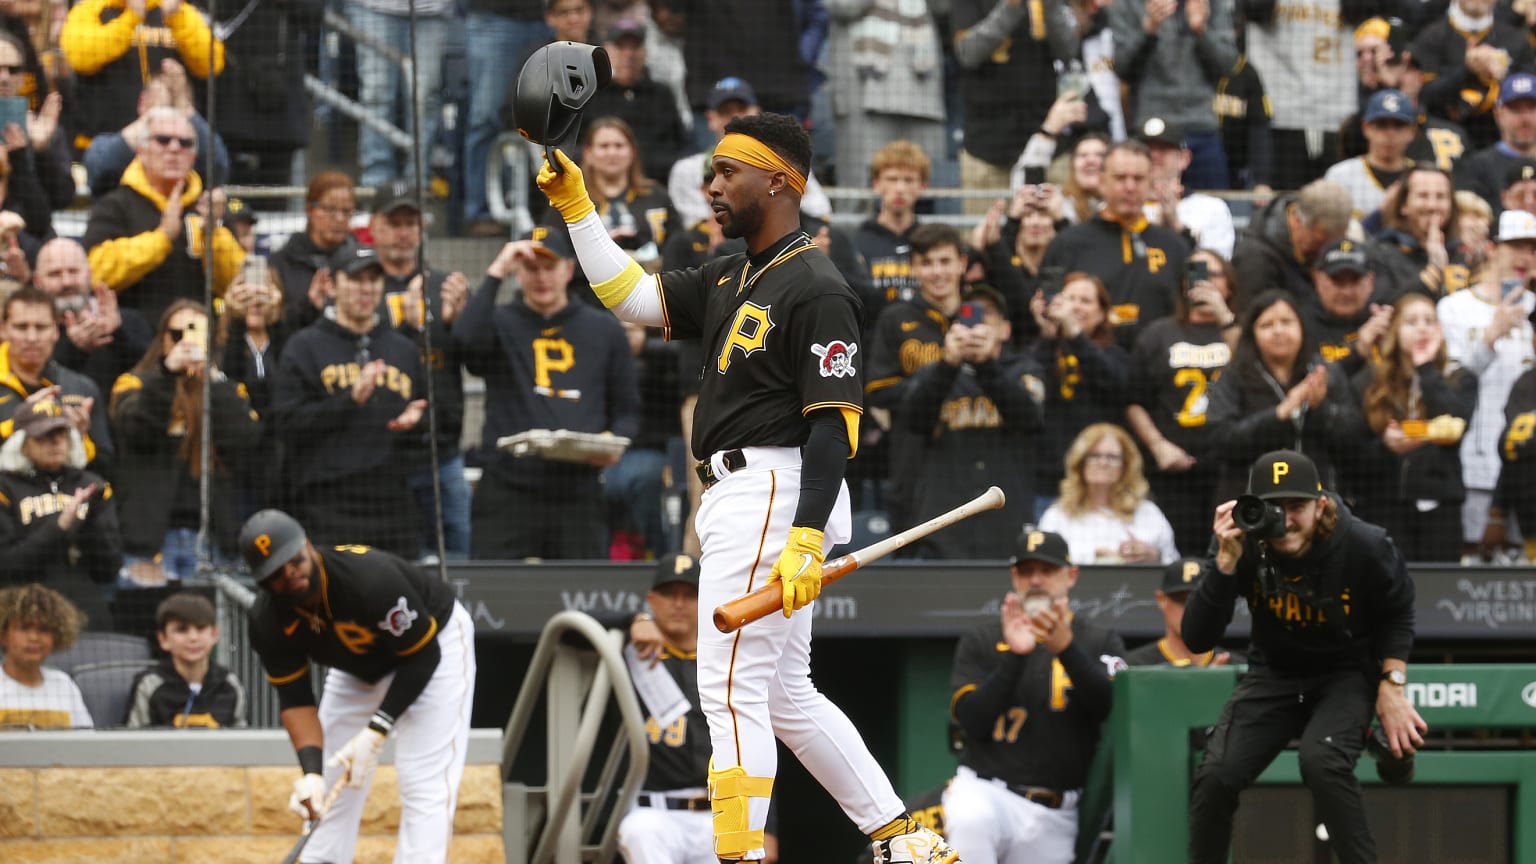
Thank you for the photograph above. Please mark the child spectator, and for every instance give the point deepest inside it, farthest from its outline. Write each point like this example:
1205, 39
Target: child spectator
33, 622
186, 689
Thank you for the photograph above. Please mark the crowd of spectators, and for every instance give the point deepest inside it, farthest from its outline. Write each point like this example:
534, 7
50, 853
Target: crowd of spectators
1071, 342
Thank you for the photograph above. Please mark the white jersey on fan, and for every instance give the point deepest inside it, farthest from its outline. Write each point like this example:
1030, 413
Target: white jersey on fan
54, 704
1306, 55
1464, 316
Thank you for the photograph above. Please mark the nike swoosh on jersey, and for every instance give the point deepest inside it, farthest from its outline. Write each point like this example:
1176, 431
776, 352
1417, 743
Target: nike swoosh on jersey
722, 280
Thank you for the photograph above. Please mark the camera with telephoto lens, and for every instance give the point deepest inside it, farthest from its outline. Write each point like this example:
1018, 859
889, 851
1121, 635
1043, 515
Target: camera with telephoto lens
1259, 519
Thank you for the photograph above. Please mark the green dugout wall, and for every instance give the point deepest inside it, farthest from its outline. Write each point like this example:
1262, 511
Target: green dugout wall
1155, 709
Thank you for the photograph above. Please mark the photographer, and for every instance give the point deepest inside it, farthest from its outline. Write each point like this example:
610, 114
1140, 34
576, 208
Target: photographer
1332, 608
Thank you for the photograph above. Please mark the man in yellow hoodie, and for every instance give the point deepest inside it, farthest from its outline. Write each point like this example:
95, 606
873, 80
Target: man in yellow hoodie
144, 239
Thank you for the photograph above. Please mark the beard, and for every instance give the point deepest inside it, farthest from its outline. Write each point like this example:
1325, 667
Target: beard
742, 221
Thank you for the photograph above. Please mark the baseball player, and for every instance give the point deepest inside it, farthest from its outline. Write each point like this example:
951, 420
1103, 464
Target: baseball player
777, 419
1179, 579
1031, 691
402, 657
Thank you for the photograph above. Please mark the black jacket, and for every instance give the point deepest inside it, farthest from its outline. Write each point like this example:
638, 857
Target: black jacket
1451, 90
973, 427
1402, 266
33, 549
104, 364
161, 697
326, 434
1243, 427
1263, 259
1484, 171
499, 345
1516, 489
258, 472
262, 102
442, 362
294, 266
75, 389
1084, 384
1433, 471
1142, 269
1347, 603
158, 486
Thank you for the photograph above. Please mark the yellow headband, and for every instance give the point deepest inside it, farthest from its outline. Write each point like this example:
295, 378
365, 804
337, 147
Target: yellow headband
745, 148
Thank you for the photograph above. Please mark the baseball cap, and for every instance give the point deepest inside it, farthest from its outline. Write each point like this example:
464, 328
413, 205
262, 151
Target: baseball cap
354, 260
1519, 173
1343, 256
394, 195
268, 540
731, 89
1182, 576
37, 419
1036, 545
1516, 225
554, 242
1284, 474
1389, 105
1521, 85
236, 210
626, 28
983, 291
676, 568
1155, 131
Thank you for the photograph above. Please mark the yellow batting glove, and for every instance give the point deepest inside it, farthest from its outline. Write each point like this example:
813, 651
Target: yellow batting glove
799, 568
566, 192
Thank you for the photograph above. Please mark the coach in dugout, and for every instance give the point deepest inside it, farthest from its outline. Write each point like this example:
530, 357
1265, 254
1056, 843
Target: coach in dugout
1332, 608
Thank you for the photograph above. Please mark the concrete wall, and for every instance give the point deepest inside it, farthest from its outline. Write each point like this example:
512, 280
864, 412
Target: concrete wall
185, 796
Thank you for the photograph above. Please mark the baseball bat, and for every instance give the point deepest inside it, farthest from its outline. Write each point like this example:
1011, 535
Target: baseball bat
310, 825
735, 614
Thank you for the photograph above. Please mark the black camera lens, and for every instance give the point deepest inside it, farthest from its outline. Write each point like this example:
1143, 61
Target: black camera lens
1258, 518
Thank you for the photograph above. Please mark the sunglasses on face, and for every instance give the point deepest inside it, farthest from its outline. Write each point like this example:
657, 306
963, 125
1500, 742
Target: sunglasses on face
167, 140
11, 68
179, 333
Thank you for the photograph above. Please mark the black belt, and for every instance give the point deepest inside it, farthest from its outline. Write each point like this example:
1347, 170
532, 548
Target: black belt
734, 460
1048, 798
699, 804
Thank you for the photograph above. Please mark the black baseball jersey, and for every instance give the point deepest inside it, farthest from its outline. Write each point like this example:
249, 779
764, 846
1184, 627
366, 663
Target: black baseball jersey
1140, 264
1033, 720
1172, 370
907, 337
375, 612
1156, 653
1516, 487
680, 750
1335, 336
781, 336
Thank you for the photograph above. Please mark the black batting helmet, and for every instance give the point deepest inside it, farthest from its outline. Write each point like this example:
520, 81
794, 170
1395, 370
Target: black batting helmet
270, 539
555, 84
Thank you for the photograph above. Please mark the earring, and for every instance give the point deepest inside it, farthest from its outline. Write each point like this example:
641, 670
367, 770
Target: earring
772, 193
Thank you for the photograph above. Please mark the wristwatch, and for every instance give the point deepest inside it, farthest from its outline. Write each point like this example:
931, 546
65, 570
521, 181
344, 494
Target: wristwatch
1395, 676
642, 616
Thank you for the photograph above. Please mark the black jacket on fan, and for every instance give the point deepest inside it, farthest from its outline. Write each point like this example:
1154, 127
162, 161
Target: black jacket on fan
972, 427
1141, 265
1084, 384
158, 489
34, 549
1516, 490
1243, 426
161, 697
1430, 473
442, 362
326, 434
294, 266
593, 389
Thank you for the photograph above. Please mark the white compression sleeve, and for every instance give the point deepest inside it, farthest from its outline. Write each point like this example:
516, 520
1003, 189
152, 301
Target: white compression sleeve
604, 262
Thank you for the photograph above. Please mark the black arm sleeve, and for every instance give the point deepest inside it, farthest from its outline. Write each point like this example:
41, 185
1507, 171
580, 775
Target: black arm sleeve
411, 678
822, 467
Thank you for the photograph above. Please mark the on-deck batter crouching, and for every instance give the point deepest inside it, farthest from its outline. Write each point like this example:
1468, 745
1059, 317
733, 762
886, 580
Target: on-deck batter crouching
779, 405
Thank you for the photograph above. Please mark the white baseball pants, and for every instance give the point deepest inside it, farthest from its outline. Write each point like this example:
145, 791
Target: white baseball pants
988, 824
431, 743
656, 835
755, 684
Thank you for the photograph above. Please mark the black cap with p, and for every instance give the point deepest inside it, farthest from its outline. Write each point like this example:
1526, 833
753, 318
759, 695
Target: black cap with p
1284, 474
1046, 546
